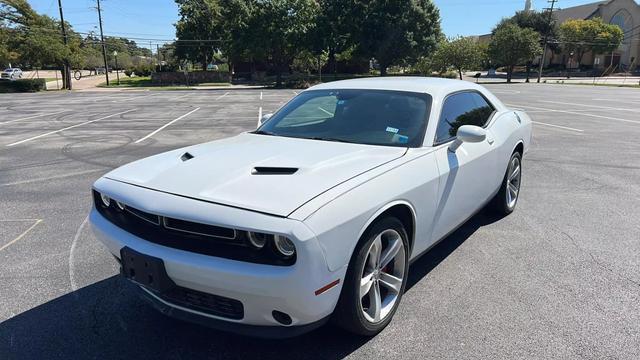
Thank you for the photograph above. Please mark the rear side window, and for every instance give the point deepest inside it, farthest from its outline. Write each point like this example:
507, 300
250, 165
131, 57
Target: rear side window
466, 108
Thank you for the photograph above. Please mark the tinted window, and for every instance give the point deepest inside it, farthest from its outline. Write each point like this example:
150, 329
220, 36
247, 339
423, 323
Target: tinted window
375, 117
468, 108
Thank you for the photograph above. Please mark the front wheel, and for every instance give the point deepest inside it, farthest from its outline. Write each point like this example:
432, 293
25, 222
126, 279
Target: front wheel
506, 199
375, 280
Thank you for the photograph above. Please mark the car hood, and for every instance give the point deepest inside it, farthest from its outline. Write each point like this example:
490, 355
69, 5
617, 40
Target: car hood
269, 174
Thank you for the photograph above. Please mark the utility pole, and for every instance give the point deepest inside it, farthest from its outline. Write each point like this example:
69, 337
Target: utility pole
104, 46
67, 68
546, 38
158, 56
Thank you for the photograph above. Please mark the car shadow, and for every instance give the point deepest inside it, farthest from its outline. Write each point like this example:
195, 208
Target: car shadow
107, 320
434, 256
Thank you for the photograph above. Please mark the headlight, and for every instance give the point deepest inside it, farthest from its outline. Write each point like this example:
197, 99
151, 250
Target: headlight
120, 205
258, 240
105, 200
284, 246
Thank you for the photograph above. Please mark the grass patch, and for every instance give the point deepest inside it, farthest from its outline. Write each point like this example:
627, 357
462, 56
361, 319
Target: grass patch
145, 81
213, 84
126, 82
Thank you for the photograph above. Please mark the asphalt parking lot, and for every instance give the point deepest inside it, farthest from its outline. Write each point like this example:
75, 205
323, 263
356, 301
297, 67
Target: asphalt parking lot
560, 278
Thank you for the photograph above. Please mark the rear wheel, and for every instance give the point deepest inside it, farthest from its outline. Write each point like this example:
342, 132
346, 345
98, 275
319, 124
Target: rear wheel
506, 199
375, 280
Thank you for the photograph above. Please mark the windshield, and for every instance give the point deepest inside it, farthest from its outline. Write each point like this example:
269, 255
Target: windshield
8, 70
374, 117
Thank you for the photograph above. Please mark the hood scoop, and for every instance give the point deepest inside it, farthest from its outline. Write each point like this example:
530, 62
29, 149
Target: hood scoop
186, 157
263, 170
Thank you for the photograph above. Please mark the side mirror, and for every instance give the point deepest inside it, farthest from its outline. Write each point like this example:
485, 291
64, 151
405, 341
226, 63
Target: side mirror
470, 134
264, 119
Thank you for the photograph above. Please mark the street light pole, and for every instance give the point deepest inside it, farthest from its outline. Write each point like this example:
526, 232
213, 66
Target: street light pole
115, 54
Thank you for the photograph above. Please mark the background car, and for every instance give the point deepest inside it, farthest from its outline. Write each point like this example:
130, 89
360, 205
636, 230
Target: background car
318, 213
11, 74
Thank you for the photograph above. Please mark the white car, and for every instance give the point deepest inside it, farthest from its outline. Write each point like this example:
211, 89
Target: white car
319, 212
11, 74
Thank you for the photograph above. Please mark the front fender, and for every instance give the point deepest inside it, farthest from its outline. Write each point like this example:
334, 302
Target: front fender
340, 223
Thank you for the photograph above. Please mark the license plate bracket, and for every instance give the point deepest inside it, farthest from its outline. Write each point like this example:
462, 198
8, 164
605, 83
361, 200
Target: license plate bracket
145, 270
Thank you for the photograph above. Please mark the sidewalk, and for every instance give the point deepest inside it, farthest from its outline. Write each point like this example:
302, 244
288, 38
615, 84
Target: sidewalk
605, 80
88, 82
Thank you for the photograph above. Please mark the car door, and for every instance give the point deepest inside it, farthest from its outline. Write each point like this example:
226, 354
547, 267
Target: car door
467, 175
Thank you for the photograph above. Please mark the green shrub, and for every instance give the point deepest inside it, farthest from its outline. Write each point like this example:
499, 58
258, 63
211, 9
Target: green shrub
22, 85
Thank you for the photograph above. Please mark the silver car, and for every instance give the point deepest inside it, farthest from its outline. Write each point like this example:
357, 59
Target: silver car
11, 74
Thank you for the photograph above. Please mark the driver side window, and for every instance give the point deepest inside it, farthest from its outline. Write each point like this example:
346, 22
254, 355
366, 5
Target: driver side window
465, 108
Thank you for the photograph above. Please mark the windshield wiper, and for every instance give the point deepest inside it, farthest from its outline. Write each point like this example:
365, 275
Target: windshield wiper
262, 132
329, 139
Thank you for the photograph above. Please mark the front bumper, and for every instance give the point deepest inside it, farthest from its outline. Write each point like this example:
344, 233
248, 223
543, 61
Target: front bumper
268, 331
260, 288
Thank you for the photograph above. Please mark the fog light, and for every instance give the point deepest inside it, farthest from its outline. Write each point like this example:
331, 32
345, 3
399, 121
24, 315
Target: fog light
258, 240
281, 317
284, 246
105, 200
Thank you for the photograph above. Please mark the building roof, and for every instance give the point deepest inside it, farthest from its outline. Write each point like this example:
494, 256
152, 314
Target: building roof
580, 12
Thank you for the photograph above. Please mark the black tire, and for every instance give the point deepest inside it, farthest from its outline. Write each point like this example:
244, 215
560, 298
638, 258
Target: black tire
500, 203
348, 313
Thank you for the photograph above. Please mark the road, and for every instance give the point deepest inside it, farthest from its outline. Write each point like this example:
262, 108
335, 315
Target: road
560, 278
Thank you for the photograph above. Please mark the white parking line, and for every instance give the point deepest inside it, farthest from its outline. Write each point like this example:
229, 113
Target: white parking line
51, 177
167, 124
592, 106
614, 100
134, 98
260, 95
557, 126
576, 113
38, 221
182, 96
74, 244
69, 127
220, 97
259, 114
31, 117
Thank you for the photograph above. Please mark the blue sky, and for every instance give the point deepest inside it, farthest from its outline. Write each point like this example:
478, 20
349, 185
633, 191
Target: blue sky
141, 20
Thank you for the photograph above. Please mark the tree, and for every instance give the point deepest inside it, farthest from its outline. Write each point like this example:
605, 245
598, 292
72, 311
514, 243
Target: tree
198, 30
283, 28
307, 62
335, 30
462, 53
396, 32
583, 36
512, 45
541, 22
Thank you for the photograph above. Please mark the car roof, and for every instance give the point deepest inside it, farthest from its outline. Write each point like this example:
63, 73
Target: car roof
427, 85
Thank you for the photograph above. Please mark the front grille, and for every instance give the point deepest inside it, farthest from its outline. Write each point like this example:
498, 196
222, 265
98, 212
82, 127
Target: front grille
206, 303
189, 236
199, 229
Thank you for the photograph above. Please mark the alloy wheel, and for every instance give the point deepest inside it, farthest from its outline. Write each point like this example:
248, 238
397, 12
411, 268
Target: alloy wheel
513, 182
382, 276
